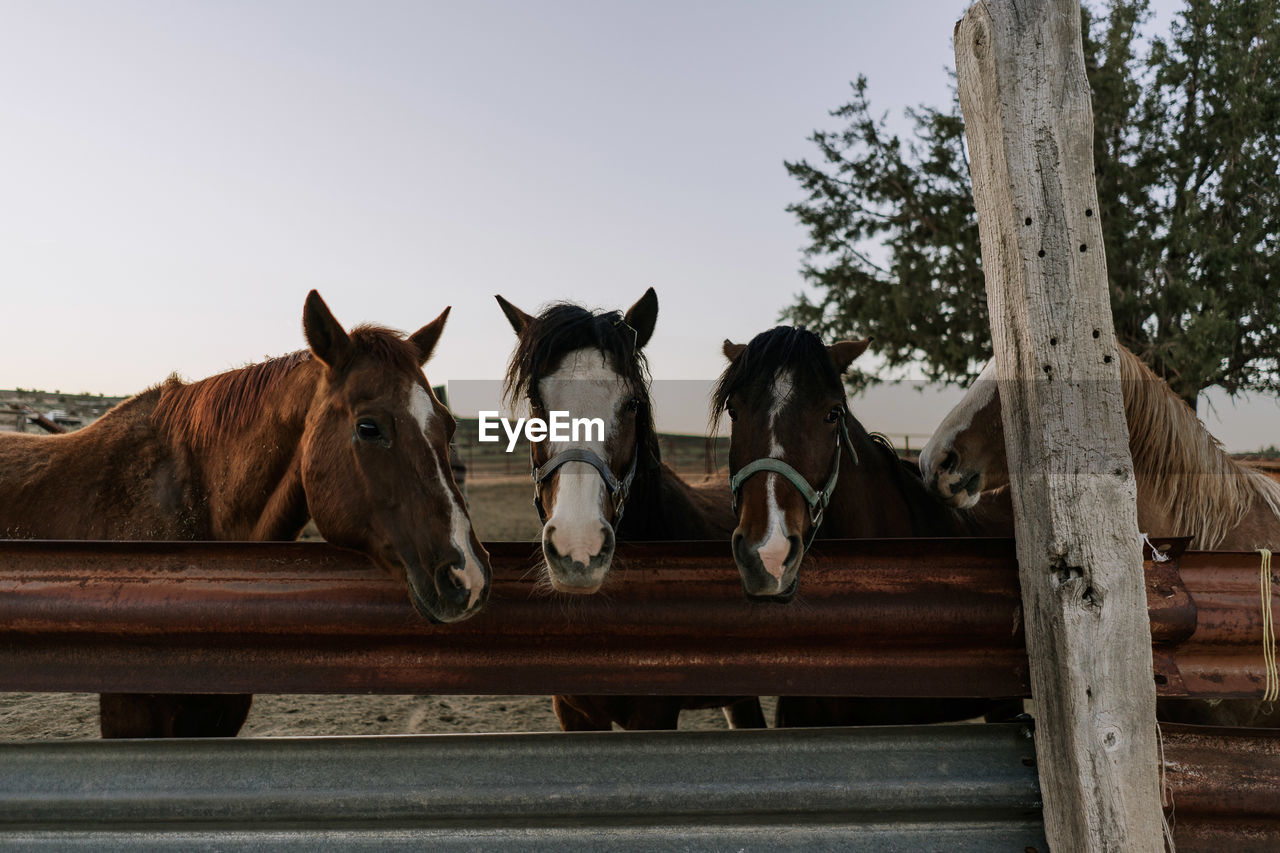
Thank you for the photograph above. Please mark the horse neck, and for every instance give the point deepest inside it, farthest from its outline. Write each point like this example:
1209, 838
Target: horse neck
1187, 484
878, 498
251, 476
663, 506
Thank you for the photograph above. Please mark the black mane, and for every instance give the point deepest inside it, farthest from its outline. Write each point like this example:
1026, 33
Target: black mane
756, 367
564, 328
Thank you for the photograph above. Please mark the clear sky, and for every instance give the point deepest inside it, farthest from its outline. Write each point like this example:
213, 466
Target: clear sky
177, 175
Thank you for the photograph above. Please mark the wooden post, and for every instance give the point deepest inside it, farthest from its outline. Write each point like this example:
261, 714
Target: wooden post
1029, 126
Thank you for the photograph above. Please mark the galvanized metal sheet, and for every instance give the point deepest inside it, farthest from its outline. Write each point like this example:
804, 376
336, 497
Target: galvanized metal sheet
933, 788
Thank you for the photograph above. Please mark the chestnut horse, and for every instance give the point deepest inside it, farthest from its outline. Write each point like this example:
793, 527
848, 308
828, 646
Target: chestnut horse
593, 493
802, 467
347, 433
1187, 486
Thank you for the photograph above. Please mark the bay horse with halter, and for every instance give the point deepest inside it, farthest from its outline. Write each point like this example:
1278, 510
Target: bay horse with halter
592, 493
803, 468
347, 432
1187, 485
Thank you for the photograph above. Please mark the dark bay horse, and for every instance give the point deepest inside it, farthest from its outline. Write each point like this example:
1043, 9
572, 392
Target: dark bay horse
802, 468
600, 490
1187, 486
347, 432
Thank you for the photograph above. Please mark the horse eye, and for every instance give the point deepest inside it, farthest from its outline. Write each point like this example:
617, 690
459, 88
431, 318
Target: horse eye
834, 415
733, 413
367, 430
632, 405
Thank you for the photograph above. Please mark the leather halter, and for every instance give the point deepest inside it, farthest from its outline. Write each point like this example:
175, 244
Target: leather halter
817, 500
618, 489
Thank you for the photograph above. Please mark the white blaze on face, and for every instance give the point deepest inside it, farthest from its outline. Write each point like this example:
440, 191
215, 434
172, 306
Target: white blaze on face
980, 395
423, 409
773, 551
585, 386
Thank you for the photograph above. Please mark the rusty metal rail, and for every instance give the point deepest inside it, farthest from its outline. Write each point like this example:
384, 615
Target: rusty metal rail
874, 618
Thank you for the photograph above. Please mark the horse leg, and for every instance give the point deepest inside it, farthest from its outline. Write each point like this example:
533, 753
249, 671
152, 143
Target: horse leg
581, 714
649, 713
151, 715
745, 713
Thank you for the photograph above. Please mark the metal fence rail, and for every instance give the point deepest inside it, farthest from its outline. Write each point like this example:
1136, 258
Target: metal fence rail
875, 618
962, 788
952, 788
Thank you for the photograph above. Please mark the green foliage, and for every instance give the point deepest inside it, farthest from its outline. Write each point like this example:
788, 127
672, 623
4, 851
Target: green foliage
1187, 152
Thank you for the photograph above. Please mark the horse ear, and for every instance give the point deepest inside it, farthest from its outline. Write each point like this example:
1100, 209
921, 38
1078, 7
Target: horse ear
643, 316
518, 319
426, 338
731, 350
329, 342
844, 352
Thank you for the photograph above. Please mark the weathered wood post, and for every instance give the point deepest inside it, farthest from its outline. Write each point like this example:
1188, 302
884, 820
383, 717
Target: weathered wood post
1029, 126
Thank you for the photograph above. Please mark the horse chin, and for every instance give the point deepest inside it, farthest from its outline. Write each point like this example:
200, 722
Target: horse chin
560, 586
783, 597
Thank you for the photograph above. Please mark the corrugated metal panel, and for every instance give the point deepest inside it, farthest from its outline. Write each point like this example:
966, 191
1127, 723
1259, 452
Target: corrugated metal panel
876, 618
954, 788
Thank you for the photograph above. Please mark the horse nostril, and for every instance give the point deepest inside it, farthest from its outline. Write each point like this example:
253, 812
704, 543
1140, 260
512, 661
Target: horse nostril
950, 461
453, 585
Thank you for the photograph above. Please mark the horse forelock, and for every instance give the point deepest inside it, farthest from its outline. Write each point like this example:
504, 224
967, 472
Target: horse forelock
790, 350
1199, 486
564, 328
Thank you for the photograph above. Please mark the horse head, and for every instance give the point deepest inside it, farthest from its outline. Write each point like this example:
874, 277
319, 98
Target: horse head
590, 366
965, 456
375, 463
785, 399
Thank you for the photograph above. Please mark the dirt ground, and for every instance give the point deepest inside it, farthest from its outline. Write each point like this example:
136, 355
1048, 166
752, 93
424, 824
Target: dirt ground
42, 716
500, 509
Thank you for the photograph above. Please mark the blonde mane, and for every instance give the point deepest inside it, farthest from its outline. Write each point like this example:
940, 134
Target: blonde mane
1203, 491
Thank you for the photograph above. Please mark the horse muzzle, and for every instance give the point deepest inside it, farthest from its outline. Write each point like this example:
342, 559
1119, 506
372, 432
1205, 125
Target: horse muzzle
579, 568
454, 590
775, 581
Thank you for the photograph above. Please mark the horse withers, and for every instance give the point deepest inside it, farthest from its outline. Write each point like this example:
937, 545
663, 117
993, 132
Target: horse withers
346, 432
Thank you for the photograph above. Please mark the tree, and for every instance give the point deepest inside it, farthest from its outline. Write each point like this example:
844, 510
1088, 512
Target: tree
1187, 152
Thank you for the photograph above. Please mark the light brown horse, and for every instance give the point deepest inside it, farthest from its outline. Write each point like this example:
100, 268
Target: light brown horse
1187, 486
607, 488
347, 433
803, 467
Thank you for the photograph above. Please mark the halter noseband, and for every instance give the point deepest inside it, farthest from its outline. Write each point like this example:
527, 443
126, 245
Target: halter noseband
817, 500
618, 489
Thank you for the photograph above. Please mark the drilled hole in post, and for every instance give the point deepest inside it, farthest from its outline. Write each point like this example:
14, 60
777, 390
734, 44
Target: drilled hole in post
1083, 247
1096, 333
1106, 359
1040, 253
1053, 342
1088, 211
1028, 221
